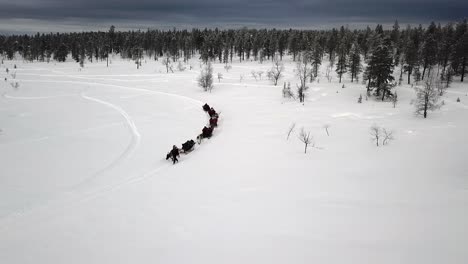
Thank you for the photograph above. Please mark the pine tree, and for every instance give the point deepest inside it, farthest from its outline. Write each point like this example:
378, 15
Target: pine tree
380, 68
460, 56
62, 53
354, 61
341, 66
411, 51
429, 49
445, 51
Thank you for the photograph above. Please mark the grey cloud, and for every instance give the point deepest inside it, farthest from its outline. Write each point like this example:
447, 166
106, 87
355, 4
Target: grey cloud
268, 13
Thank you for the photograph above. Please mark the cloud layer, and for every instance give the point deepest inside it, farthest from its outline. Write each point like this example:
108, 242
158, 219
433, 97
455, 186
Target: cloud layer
62, 15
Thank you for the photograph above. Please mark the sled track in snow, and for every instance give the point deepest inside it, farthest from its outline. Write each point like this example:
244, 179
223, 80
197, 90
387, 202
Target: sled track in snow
121, 87
74, 196
136, 138
36, 97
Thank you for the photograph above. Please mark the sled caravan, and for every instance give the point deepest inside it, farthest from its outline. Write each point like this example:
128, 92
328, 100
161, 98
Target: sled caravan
189, 145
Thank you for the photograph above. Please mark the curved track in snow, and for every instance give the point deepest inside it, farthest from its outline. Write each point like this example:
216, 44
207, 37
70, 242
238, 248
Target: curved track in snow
75, 194
136, 137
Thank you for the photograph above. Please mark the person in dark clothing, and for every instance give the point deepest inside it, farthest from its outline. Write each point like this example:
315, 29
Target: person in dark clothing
212, 112
206, 107
213, 122
174, 154
207, 132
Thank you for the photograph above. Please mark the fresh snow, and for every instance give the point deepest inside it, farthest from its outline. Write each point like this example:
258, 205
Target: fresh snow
84, 177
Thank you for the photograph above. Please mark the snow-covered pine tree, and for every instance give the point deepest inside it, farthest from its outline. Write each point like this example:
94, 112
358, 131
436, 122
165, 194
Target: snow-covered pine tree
354, 63
380, 67
341, 66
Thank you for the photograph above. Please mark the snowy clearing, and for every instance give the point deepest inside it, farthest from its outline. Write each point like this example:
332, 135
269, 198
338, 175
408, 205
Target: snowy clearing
84, 177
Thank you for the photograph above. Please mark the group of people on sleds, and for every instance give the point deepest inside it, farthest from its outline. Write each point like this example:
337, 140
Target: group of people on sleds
207, 132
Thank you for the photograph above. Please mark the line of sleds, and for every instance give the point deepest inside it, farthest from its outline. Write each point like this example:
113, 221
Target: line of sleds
189, 145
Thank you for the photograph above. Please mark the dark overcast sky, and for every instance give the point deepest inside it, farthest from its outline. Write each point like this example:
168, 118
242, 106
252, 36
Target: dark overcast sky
61, 15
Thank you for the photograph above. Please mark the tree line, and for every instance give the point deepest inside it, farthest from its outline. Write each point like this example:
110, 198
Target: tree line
418, 50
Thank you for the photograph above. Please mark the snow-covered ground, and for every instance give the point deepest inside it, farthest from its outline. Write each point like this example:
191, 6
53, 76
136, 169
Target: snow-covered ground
84, 177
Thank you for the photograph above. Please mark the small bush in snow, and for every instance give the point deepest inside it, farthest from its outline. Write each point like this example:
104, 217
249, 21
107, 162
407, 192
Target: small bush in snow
326, 127
180, 66
227, 67
458, 100
15, 85
260, 73
254, 75
305, 138
220, 76
205, 80
359, 100
290, 130
379, 134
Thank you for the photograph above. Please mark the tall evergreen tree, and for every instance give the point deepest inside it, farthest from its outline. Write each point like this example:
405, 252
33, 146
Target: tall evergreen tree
342, 64
380, 67
354, 61
460, 56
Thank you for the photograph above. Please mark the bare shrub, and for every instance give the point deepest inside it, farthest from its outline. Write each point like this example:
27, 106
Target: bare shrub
305, 138
205, 80
290, 130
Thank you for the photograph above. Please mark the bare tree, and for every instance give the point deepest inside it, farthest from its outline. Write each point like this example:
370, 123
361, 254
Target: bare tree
205, 80
305, 138
15, 85
167, 62
302, 71
375, 133
241, 77
260, 73
220, 76
290, 130
227, 67
360, 99
276, 71
254, 75
427, 98
387, 136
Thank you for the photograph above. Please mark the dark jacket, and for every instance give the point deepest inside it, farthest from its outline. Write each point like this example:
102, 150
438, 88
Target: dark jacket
175, 152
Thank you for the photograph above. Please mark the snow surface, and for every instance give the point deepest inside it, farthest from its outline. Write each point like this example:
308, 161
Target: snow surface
84, 179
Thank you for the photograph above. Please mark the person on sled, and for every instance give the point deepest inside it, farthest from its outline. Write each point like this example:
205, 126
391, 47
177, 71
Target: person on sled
207, 132
212, 112
213, 122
